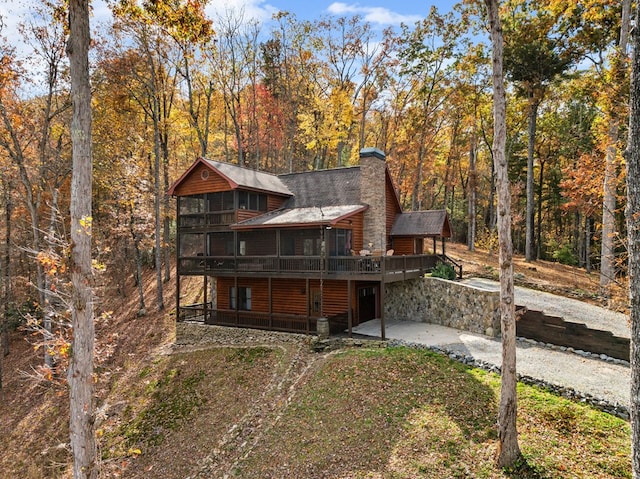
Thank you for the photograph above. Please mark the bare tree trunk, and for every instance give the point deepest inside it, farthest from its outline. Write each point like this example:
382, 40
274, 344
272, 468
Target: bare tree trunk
4, 269
538, 232
632, 156
166, 227
49, 295
142, 309
607, 254
7, 271
157, 210
80, 374
530, 254
587, 243
472, 197
508, 448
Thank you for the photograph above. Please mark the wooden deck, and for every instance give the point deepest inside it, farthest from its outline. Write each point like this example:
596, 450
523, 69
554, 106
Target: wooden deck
377, 268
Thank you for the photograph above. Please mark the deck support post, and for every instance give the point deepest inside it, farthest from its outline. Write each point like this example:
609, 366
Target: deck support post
349, 308
205, 311
382, 325
270, 303
177, 296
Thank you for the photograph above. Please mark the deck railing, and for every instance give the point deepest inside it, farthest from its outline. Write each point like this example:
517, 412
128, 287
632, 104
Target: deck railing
252, 319
194, 312
367, 265
297, 323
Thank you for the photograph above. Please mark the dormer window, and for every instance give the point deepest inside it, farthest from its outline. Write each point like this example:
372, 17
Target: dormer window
248, 200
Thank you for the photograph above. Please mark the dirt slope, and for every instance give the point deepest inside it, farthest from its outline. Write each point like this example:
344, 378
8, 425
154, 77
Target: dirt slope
543, 275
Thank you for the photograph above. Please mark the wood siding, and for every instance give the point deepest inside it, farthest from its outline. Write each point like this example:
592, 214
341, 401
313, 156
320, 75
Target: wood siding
195, 185
289, 296
259, 292
357, 222
335, 299
242, 215
404, 245
275, 202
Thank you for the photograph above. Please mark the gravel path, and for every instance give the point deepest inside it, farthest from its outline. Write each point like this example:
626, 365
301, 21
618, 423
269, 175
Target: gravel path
572, 310
588, 375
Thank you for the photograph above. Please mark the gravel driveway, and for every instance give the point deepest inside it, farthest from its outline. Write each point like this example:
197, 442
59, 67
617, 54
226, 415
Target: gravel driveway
572, 310
584, 373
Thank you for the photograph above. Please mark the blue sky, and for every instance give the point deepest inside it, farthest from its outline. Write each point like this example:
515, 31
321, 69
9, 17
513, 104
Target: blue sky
380, 13
377, 12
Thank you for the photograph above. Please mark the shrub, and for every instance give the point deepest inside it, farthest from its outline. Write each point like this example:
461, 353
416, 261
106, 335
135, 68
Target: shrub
444, 271
564, 254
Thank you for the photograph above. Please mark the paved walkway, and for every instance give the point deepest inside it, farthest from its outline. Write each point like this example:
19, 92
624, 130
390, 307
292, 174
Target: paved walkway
601, 379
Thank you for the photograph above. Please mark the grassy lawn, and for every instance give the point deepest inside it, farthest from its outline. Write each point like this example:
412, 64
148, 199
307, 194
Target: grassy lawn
384, 413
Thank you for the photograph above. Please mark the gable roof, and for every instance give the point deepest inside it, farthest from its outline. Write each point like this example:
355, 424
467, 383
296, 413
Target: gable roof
333, 187
422, 223
238, 177
337, 191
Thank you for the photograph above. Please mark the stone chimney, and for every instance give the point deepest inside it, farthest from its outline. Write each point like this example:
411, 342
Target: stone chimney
373, 193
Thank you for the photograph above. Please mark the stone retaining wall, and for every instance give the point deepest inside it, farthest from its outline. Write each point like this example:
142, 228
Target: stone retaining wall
188, 334
448, 303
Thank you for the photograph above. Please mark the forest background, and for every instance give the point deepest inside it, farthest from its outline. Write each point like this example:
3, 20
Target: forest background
170, 84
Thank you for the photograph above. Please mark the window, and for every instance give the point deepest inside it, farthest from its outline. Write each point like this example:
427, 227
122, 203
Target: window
343, 242
191, 204
287, 245
191, 209
220, 201
248, 200
191, 244
300, 242
240, 298
308, 247
220, 244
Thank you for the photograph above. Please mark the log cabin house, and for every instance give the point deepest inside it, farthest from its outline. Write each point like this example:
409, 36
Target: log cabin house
280, 251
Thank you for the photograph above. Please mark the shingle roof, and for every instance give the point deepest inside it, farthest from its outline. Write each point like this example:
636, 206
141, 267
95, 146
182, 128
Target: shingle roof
248, 178
299, 216
334, 187
422, 223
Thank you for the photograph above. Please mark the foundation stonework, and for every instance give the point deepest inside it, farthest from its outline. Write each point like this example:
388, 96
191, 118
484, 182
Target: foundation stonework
443, 302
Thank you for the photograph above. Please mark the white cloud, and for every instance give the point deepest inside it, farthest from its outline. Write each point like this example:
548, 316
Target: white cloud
377, 15
252, 9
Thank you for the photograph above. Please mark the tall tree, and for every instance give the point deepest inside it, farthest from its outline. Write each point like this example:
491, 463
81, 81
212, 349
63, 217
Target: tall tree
231, 58
508, 448
153, 85
632, 157
80, 374
426, 56
289, 66
618, 68
32, 133
5, 278
536, 53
